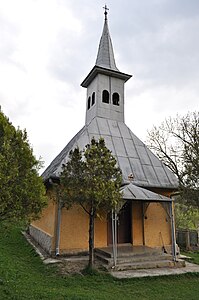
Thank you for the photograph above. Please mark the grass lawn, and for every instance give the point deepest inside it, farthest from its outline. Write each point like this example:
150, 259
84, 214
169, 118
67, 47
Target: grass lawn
194, 256
24, 276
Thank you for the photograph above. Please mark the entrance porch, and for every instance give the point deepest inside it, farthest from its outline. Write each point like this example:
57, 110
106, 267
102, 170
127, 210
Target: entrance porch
136, 257
141, 232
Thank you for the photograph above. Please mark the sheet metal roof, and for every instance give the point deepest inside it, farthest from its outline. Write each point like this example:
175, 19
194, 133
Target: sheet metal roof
132, 155
133, 192
105, 56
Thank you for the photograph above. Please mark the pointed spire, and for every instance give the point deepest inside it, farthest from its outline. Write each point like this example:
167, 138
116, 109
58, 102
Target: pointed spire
105, 62
105, 56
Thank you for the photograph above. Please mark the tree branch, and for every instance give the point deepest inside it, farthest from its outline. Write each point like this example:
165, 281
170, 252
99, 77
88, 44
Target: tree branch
84, 208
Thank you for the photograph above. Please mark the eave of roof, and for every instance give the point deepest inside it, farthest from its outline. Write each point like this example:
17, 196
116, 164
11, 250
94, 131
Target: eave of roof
101, 70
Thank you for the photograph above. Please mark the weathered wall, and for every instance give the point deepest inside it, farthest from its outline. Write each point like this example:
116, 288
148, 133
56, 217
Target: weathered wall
43, 229
157, 223
101, 228
137, 227
165, 192
47, 221
75, 226
42, 238
74, 231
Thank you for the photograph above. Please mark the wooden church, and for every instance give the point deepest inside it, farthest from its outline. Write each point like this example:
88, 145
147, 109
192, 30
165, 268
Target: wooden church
146, 218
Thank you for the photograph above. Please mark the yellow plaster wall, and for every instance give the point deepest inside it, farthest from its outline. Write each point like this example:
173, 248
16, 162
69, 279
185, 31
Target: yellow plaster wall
101, 229
137, 237
75, 225
48, 219
157, 221
74, 230
166, 193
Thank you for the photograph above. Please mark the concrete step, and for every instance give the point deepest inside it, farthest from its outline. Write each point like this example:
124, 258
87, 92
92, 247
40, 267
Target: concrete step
133, 259
109, 254
99, 251
148, 265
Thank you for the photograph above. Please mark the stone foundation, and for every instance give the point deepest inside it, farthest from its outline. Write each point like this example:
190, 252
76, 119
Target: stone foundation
42, 238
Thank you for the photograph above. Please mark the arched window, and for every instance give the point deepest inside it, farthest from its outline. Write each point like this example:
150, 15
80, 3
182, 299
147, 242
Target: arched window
116, 99
89, 102
105, 96
93, 98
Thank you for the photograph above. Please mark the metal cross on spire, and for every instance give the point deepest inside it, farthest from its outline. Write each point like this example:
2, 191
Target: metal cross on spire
105, 11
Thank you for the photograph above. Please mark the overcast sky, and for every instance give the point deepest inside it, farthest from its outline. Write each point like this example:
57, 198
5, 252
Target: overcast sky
47, 47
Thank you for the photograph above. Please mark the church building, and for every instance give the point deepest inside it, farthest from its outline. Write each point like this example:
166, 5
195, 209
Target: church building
146, 218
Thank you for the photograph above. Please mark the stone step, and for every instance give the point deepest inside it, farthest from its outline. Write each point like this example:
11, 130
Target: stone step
132, 259
148, 265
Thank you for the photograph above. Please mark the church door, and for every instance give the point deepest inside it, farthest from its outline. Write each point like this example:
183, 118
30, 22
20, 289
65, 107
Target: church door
124, 225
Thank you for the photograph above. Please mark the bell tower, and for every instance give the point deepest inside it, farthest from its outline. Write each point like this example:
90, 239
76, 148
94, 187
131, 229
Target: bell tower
105, 83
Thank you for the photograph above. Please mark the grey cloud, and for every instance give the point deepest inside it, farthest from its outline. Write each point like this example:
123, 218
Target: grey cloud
8, 33
168, 48
71, 57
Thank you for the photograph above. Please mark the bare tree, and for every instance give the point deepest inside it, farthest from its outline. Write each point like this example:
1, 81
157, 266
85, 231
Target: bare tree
176, 143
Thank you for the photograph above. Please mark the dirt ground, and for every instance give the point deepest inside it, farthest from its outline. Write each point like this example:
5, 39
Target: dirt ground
67, 267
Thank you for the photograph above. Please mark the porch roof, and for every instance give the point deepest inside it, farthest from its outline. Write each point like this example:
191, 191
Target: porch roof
133, 192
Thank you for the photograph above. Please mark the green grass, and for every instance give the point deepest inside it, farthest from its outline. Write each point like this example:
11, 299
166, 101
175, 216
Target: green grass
194, 256
24, 276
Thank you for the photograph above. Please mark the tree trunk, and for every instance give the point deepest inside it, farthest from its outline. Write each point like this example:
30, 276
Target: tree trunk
91, 237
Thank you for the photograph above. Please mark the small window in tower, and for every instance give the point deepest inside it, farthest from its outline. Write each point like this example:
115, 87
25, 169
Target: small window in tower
116, 99
93, 98
105, 96
89, 102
